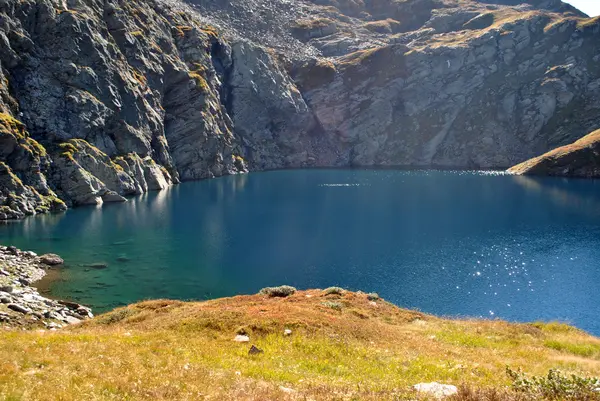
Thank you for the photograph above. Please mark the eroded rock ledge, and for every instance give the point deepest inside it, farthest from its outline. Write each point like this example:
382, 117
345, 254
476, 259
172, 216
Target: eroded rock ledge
21, 305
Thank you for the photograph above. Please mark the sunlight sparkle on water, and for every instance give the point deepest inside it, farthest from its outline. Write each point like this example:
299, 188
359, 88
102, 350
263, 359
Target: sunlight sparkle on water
404, 234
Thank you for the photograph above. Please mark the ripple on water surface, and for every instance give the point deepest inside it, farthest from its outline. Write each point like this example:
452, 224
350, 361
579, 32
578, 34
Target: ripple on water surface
451, 243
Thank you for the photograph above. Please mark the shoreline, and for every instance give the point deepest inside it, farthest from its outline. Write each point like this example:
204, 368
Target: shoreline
21, 305
416, 168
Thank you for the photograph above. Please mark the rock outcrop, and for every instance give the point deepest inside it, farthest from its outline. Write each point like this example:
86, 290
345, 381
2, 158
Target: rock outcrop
21, 305
580, 159
139, 95
127, 101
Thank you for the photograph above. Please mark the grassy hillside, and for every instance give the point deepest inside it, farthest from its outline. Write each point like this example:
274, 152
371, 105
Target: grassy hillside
343, 346
579, 159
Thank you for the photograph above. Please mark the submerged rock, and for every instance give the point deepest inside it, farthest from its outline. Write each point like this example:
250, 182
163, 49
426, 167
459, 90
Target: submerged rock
98, 266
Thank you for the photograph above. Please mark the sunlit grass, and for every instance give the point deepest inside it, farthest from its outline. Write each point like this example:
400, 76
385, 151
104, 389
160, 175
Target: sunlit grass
172, 350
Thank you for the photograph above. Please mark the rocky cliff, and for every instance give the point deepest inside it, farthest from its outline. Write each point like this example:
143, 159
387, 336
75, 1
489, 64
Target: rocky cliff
580, 159
100, 99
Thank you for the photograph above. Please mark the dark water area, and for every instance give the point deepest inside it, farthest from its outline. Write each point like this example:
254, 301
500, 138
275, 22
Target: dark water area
449, 243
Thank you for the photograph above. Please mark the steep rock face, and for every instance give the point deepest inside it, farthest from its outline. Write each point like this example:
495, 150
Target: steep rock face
101, 99
580, 159
126, 101
484, 98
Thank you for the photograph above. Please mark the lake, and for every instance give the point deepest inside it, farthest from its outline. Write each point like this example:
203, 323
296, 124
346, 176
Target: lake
474, 244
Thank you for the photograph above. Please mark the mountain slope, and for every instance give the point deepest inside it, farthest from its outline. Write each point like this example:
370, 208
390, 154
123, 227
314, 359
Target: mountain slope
580, 159
105, 99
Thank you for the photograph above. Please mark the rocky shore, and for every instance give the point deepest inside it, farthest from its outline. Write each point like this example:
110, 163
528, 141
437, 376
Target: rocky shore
21, 305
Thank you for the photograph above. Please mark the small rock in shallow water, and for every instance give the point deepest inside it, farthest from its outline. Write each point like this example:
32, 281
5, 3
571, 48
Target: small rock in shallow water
98, 266
241, 338
254, 350
51, 259
436, 390
69, 304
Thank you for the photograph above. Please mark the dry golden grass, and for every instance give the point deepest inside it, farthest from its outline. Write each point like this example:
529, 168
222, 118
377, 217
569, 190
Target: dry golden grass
170, 350
500, 18
310, 24
554, 156
588, 22
314, 74
388, 25
388, 60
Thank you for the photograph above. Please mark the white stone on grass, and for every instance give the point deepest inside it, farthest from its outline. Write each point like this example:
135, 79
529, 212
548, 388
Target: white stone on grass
241, 339
436, 390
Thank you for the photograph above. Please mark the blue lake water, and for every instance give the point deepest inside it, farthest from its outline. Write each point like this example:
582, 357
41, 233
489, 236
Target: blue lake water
448, 243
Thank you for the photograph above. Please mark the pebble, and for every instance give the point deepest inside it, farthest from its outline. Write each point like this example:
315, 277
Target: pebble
72, 320
6, 288
254, 350
19, 308
24, 281
436, 390
241, 338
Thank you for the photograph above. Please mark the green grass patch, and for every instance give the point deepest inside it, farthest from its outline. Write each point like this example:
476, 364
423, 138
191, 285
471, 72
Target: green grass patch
584, 350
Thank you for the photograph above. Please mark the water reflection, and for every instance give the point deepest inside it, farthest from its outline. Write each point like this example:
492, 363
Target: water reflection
445, 242
577, 194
